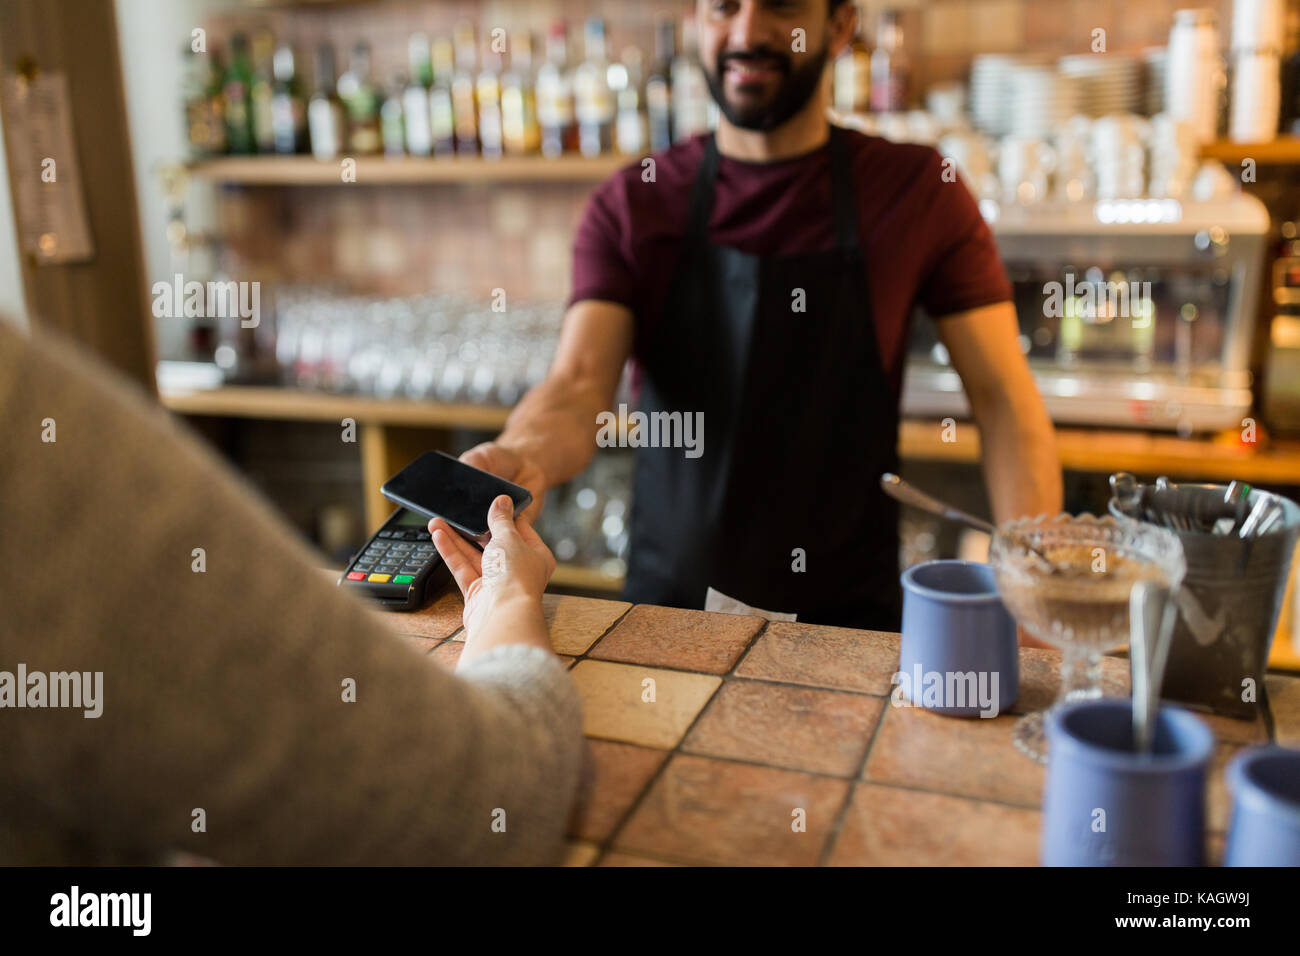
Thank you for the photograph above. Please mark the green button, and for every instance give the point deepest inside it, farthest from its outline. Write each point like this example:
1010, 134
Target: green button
403, 579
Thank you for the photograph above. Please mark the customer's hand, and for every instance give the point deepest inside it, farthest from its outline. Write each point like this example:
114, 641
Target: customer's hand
503, 584
507, 463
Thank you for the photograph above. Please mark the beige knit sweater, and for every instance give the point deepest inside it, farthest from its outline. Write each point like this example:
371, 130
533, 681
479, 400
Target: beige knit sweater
224, 730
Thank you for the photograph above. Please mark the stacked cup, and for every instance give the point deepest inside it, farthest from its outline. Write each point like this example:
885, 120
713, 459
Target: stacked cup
1119, 155
1174, 154
1074, 176
1193, 71
1257, 41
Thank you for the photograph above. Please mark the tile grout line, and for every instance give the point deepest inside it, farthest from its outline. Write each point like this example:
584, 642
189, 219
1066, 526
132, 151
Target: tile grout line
912, 788
838, 823
607, 845
602, 846
603, 634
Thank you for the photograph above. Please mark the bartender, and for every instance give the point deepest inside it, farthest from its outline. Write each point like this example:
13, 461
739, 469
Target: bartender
765, 276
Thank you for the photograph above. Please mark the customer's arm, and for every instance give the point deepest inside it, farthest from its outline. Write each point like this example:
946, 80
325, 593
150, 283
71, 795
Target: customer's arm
228, 663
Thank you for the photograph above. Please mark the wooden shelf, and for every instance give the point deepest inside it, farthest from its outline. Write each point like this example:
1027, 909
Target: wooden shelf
1103, 451
1100, 451
1285, 150
396, 170
590, 579
289, 404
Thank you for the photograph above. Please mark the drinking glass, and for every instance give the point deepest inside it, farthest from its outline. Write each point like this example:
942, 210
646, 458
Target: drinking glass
1080, 601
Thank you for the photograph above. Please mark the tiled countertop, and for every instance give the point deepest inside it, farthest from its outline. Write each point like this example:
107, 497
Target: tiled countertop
756, 725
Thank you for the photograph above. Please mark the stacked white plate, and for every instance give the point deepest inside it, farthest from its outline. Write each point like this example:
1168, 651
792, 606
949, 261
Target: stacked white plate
1110, 83
1041, 100
990, 92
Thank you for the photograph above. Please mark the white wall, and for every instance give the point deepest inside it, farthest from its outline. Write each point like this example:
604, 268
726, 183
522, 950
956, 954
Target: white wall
12, 302
152, 35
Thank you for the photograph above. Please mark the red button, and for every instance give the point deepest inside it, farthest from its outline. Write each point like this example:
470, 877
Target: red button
357, 576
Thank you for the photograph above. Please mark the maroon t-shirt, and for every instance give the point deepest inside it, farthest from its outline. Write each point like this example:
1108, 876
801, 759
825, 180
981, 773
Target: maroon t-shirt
924, 239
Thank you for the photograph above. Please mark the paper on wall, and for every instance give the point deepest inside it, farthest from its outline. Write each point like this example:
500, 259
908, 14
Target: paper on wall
49, 204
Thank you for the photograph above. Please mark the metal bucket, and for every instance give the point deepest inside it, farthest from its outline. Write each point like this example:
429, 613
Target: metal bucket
1229, 601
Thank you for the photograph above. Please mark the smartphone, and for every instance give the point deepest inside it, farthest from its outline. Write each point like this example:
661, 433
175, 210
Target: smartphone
440, 486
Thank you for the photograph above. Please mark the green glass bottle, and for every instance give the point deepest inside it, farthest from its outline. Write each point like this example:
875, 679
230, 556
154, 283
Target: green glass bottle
361, 102
237, 88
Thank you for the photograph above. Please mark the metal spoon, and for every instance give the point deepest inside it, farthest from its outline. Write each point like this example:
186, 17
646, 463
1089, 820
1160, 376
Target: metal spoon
1151, 620
1261, 517
900, 490
1237, 497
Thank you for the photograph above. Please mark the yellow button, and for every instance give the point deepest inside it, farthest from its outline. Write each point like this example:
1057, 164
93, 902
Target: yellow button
379, 578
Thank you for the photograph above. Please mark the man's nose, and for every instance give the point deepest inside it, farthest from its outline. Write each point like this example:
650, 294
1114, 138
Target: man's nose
751, 28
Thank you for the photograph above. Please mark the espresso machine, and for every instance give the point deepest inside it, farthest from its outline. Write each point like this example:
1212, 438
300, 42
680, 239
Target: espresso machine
1133, 312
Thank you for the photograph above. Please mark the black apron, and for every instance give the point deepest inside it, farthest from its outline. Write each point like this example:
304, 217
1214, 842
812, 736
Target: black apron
799, 423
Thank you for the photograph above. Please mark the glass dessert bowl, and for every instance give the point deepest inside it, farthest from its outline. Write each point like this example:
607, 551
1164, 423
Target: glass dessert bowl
1078, 598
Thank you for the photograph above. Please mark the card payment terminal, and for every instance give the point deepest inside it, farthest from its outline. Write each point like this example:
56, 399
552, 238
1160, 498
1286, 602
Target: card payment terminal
399, 567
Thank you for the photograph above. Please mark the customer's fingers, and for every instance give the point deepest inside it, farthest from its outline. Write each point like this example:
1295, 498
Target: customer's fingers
501, 520
470, 550
458, 563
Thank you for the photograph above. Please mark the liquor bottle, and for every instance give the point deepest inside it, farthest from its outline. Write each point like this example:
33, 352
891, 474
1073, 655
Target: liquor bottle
236, 90
361, 103
205, 130
692, 113
325, 122
555, 95
519, 128
415, 98
852, 75
659, 86
889, 66
464, 103
631, 131
288, 110
487, 89
216, 88
392, 128
259, 96
592, 97
442, 118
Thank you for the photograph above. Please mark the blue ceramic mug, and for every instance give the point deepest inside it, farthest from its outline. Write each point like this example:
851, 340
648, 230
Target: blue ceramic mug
1104, 804
1265, 787
959, 654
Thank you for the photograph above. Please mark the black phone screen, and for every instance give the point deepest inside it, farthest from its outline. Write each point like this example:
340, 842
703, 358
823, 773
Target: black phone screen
437, 484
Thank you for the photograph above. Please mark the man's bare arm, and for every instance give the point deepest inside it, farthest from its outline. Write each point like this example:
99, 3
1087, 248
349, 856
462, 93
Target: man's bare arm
1021, 467
550, 435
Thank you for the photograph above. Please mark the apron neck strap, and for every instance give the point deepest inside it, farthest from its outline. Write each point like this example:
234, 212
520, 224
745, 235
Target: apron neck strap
843, 199
844, 205
697, 227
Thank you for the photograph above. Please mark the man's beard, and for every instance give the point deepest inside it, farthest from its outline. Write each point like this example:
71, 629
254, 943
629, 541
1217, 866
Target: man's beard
791, 96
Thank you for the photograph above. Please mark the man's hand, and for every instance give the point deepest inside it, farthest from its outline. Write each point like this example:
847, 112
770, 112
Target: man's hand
507, 463
503, 584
